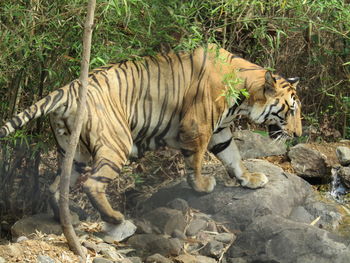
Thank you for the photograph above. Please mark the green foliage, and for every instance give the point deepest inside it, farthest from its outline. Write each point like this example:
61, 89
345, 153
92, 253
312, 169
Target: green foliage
232, 93
138, 178
41, 42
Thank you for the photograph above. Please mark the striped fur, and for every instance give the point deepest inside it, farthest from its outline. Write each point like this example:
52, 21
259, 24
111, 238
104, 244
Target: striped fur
174, 100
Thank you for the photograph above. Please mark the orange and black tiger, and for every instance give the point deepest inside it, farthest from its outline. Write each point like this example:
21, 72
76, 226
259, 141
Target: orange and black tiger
174, 100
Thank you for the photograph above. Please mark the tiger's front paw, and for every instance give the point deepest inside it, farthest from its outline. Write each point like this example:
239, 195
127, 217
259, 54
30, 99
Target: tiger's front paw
254, 180
205, 185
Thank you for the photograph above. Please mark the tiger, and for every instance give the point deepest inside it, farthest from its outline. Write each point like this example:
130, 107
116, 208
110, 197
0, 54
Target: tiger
175, 100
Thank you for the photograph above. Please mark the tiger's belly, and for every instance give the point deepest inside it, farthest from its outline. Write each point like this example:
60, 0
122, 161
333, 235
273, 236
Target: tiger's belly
152, 141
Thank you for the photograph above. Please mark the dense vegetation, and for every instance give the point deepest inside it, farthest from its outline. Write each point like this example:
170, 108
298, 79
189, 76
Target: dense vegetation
40, 43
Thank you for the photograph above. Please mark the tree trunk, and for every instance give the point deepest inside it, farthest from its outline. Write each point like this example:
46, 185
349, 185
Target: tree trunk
67, 227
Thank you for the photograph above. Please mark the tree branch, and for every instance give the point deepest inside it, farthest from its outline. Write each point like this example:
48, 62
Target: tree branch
65, 218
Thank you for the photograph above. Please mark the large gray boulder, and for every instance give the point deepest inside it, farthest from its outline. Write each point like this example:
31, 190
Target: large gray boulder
273, 223
255, 145
272, 238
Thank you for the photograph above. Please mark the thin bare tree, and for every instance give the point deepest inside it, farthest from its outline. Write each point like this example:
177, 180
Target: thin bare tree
65, 217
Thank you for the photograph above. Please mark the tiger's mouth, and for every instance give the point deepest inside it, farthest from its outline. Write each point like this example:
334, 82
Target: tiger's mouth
275, 131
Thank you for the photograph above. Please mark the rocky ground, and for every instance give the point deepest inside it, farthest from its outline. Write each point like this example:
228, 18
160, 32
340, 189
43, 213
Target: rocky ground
287, 221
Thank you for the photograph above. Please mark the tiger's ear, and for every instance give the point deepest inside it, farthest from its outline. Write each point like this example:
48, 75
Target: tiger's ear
293, 81
270, 83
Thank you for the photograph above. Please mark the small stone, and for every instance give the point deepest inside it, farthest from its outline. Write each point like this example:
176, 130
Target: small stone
44, 259
178, 234
101, 260
195, 226
213, 248
236, 260
212, 226
186, 258
105, 237
175, 246
158, 258
135, 259
166, 220
121, 231
125, 260
143, 227
2, 260
203, 259
225, 237
156, 244
343, 154
193, 247
202, 216
109, 251
178, 204
91, 246
21, 238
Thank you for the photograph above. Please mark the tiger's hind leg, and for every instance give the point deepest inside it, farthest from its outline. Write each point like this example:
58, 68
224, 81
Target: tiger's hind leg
193, 146
224, 147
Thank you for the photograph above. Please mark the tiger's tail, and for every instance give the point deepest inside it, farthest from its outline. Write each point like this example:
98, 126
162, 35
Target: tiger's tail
41, 108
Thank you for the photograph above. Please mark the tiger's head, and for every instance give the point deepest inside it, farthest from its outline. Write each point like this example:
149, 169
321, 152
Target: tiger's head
277, 105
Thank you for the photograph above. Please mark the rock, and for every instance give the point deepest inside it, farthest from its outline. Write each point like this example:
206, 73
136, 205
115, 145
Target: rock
195, 226
21, 238
203, 259
186, 258
239, 206
91, 246
43, 223
166, 220
124, 260
253, 145
203, 216
344, 174
300, 214
329, 214
44, 259
108, 251
308, 162
135, 259
2, 260
158, 258
225, 238
236, 260
213, 248
212, 226
178, 204
178, 234
101, 260
275, 239
143, 227
343, 154
121, 231
266, 216
153, 243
